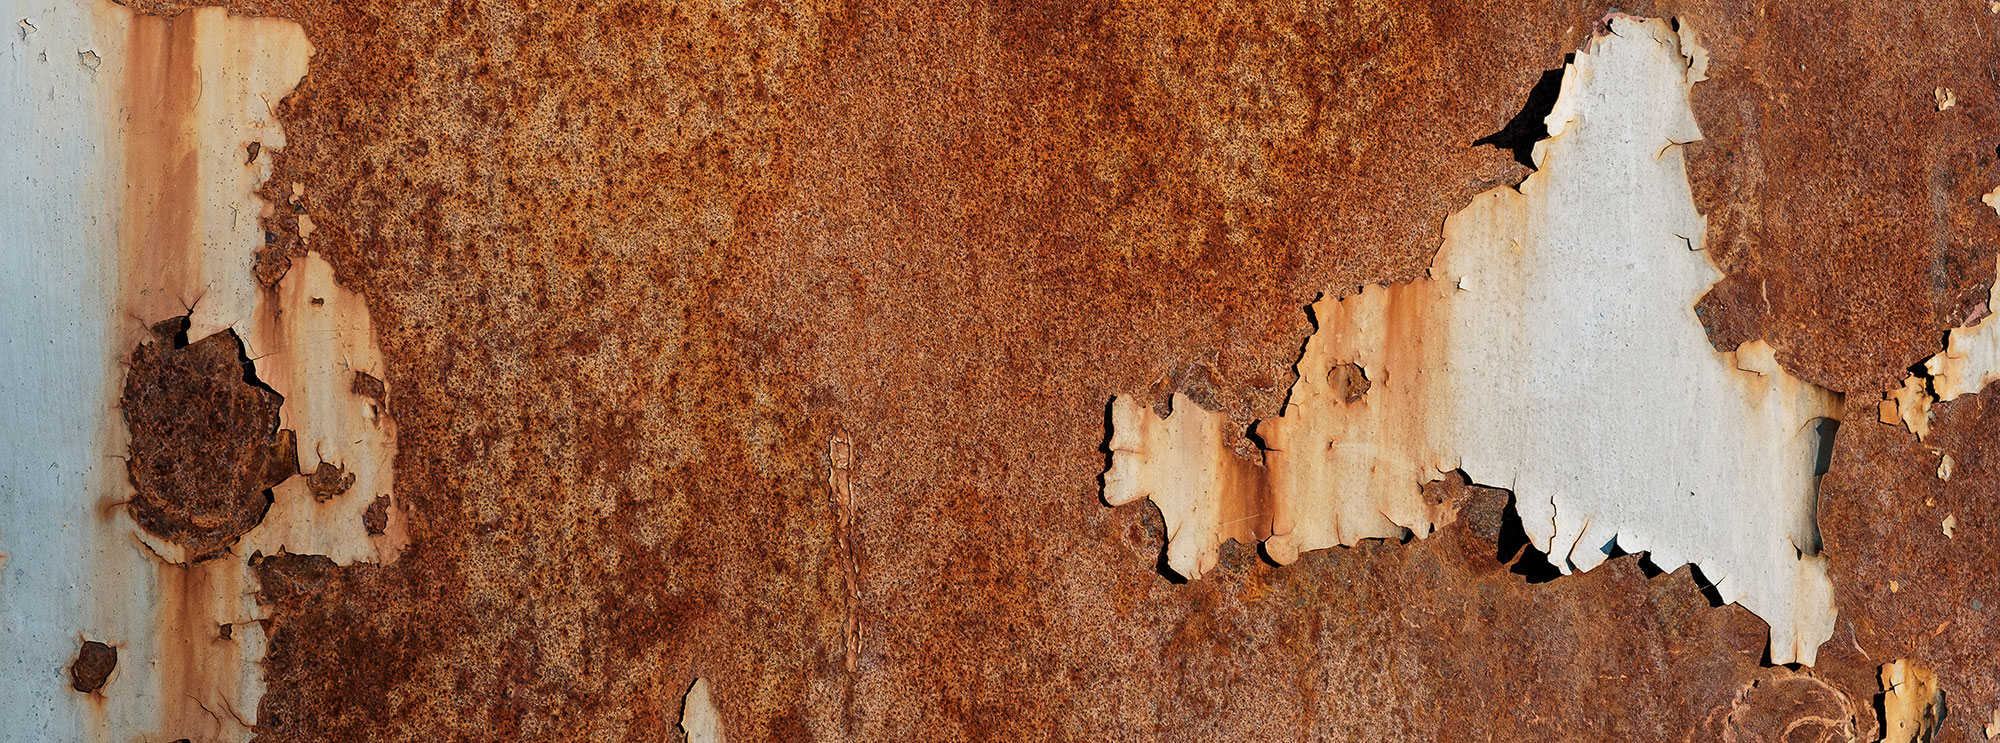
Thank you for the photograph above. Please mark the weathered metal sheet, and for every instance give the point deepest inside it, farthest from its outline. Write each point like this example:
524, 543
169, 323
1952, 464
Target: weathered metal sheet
634, 269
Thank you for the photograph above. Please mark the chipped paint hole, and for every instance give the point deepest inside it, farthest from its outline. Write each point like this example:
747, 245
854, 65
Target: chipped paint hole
251, 150
1515, 549
1520, 133
1349, 381
329, 480
368, 386
93, 666
1824, 430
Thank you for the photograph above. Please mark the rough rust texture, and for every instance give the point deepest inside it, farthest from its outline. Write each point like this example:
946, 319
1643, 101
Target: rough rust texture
633, 265
205, 441
92, 667
329, 480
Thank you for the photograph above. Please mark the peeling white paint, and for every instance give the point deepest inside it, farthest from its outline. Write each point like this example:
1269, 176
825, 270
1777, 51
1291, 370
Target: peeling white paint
128, 200
1553, 351
308, 346
1186, 465
1909, 405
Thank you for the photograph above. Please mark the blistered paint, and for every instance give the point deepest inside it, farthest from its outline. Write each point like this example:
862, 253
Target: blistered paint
131, 200
1553, 351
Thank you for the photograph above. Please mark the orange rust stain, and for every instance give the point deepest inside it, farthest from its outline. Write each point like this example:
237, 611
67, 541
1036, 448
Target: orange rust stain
1244, 513
157, 241
200, 670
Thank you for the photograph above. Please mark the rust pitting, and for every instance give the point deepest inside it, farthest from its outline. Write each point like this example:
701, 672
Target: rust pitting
205, 444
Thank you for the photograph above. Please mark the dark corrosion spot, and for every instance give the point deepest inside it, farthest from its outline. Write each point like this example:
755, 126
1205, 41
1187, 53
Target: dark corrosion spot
328, 481
92, 666
271, 265
206, 448
251, 151
376, 519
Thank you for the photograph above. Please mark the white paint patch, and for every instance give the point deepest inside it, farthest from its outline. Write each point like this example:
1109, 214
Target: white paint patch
125, 200
1553, 351
309, 345
1186, 465
700, 720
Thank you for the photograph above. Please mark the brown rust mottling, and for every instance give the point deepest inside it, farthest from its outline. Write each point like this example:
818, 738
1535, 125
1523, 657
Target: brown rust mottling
329, 480
375, 520
631, 265
205, 443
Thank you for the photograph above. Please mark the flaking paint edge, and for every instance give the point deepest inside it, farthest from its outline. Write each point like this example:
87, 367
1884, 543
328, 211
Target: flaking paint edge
1448, 378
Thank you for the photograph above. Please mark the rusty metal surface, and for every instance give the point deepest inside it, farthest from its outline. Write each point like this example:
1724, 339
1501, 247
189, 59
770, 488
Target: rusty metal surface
634, 267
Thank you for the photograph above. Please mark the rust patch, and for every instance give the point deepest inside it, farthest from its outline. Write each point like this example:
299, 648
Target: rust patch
1732, 311
375, 520
368, 386
799, 207
1783, 707
329, 480
92, 667
205, 442
1349, 382
271, 264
